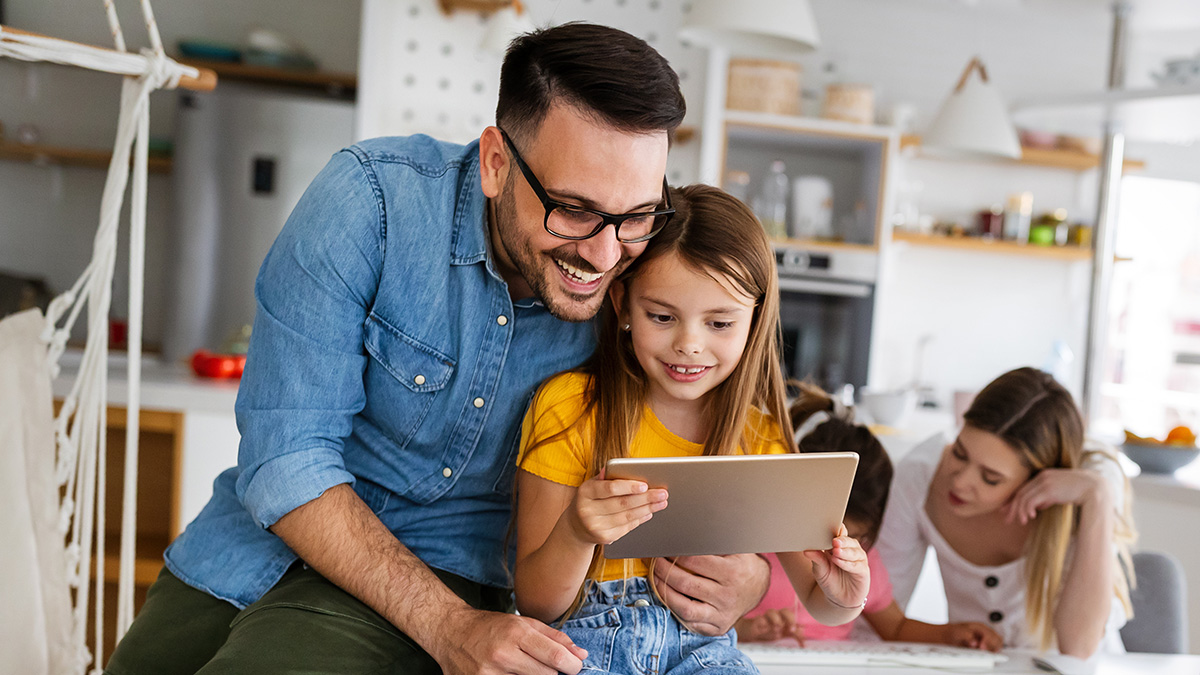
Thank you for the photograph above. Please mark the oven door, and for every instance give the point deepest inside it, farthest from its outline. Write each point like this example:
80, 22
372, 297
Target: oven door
826, 326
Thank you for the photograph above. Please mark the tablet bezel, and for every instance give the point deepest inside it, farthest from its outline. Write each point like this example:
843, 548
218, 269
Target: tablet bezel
729, 504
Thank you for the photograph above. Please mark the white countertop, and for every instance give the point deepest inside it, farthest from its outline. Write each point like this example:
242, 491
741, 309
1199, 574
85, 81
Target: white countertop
165, 386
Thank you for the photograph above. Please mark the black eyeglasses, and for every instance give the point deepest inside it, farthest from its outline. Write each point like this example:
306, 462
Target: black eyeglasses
569, 221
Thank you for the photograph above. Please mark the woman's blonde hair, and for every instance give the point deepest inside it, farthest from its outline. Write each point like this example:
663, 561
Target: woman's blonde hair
1036, 415
714, 234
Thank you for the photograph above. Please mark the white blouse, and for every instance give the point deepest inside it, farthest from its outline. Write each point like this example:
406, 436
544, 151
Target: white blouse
994, 595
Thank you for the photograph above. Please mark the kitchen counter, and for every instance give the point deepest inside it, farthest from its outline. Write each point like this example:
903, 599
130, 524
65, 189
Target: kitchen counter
165, 385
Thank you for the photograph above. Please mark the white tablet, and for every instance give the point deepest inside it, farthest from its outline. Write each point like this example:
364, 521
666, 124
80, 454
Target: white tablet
738, 503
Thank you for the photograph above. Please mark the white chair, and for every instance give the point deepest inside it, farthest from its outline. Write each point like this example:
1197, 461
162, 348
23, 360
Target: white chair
1160, 623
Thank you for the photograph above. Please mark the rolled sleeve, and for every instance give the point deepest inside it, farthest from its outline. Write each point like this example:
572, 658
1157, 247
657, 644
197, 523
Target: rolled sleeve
303, 382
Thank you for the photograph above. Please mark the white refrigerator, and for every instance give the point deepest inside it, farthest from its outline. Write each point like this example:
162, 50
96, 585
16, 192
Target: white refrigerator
244, 154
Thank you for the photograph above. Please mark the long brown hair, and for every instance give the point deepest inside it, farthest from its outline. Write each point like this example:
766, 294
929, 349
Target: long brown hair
1034, 414
839, 433
715, 234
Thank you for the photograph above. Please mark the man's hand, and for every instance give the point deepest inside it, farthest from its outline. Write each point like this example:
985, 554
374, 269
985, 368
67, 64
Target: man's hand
475, 642
710, 592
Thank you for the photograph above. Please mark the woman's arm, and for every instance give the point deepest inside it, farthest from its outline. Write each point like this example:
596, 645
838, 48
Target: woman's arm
891, 624
558, 528
1087, 593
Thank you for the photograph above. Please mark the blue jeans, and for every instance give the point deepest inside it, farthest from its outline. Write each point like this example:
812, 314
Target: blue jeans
627, 631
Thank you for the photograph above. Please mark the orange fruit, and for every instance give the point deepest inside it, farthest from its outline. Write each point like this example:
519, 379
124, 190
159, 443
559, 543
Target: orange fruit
1181, 435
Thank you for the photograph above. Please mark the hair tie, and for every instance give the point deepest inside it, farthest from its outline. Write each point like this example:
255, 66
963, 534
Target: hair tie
814, 420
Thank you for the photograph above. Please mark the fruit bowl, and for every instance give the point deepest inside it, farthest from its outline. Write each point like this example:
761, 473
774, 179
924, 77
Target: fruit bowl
1160, 457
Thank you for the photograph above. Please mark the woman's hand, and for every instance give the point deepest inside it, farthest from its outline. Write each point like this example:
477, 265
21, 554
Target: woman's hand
842, 571
972, 635
771, 625
603, 511
1057, 486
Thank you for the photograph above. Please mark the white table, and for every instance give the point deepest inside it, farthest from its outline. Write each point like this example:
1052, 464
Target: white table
1021, 663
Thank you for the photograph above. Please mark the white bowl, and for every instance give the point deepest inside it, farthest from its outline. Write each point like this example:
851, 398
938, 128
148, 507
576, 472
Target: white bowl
889, 407
1160, 458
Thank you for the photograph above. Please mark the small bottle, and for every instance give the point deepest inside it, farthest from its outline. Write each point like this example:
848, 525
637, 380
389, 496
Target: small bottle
773, 201
1017, 216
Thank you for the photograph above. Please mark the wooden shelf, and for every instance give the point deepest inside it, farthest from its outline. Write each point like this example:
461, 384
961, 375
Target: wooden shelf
147, 562
1054, 158
49, 154
341, 84
821, 244
1072, 253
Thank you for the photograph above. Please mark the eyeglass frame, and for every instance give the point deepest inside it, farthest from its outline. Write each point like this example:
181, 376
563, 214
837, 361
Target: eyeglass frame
606, 219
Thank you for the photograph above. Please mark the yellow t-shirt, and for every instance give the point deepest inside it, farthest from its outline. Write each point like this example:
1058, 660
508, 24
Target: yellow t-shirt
564, 460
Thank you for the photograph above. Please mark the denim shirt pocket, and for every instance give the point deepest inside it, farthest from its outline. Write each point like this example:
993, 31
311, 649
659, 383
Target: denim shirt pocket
421, 370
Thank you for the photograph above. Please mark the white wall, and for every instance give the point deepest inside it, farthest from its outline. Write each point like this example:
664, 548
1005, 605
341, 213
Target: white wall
48, 215
423, 72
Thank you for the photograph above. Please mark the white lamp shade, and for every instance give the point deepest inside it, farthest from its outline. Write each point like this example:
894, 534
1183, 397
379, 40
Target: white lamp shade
973, 121
504, 25
752, 27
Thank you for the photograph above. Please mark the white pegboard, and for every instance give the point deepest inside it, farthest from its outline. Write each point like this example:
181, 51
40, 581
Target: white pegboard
421, 71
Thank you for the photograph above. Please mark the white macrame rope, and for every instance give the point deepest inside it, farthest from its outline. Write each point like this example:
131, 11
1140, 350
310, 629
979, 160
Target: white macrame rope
80, 437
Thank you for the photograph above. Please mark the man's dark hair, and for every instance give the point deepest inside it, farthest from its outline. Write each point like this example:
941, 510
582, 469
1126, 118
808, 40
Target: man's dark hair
599, 70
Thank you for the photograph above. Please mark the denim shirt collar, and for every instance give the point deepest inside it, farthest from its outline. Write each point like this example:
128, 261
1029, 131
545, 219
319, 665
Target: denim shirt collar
470, 213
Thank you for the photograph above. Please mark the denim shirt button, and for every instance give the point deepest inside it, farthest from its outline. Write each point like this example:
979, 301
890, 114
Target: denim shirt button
420, 379
641, 602
478, 402
447, 472
502, 320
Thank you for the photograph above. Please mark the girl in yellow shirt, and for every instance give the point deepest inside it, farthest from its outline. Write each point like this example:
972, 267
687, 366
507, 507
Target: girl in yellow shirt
687, 364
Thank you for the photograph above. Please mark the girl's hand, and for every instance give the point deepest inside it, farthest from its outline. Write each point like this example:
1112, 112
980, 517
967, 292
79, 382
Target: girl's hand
772, 625
603, 511
842, 571
1057, 486
972, 635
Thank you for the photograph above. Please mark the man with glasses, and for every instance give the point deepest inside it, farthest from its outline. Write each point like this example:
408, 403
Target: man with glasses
416, 297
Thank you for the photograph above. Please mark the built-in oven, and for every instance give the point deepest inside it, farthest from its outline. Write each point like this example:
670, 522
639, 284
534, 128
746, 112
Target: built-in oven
827, 300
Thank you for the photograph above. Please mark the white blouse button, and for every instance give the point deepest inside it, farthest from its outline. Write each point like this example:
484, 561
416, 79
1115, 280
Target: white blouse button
478, 402
446, 472
502, 320
420, 379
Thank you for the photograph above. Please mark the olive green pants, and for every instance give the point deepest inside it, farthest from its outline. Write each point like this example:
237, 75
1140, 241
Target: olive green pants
305, 624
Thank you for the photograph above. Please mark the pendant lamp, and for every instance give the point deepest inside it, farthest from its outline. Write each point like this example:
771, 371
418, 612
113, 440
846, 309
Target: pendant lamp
973, 120
752, 27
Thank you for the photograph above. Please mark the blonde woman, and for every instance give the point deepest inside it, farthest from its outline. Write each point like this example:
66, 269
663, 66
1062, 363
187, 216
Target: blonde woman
1030, 528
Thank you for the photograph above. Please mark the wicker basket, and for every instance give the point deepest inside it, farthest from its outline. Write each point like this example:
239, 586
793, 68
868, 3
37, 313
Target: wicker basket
762, 85
850, 103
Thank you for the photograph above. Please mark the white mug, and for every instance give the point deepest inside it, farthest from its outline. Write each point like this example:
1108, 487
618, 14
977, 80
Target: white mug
812, 208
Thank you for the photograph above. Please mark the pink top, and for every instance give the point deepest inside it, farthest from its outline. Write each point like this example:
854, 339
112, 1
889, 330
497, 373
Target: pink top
780, 595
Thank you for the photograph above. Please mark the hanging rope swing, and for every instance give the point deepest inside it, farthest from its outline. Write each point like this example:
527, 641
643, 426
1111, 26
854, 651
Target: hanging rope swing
67, 543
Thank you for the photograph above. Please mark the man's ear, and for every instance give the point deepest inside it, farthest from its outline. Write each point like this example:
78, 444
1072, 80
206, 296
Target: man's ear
493, 162
618, 294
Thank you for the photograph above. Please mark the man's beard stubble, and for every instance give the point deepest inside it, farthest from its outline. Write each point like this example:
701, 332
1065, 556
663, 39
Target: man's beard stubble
561, 304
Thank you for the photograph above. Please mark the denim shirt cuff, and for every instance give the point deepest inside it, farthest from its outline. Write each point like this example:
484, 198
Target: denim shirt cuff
290, 481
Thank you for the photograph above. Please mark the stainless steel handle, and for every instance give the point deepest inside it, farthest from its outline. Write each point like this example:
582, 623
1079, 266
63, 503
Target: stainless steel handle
822, 287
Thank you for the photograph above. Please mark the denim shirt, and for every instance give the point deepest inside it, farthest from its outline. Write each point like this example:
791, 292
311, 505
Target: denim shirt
386, 354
